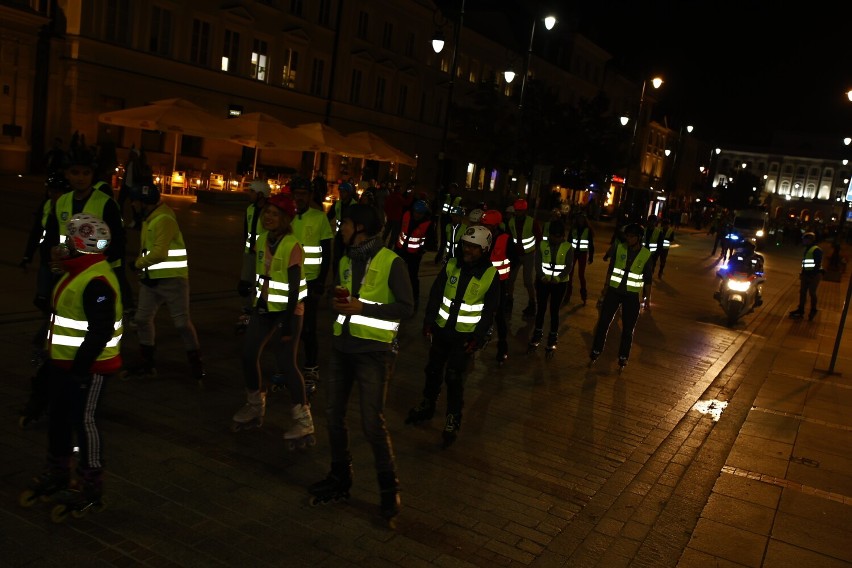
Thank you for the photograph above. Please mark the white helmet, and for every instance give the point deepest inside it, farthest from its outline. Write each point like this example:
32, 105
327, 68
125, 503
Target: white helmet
475, 215
87, 234
478, 235
260, 186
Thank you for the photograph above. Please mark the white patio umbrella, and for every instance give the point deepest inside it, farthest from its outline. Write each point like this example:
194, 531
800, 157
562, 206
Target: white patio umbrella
372, 147
261, 131
178, 116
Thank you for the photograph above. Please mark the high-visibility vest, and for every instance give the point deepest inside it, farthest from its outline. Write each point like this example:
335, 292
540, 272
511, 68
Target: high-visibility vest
634, 274
454, 235
374, 290
69, 324
412, 240
808, 261
275, 276
580, 239
668, 237
177, 265
449, 203
310, 229
45, 216
499, 256
553, 265
473, 301
653, 239
526, 239
251, 236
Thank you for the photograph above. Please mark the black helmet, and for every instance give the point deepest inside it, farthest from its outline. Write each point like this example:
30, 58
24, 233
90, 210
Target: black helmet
149, 194
634, 229
366, 215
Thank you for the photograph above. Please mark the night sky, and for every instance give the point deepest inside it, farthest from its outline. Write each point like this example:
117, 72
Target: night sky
738, 71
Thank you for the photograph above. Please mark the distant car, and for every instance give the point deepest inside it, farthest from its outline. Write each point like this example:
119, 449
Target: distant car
752, 225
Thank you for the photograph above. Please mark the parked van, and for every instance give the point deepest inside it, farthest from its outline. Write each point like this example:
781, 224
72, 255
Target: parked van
752, 224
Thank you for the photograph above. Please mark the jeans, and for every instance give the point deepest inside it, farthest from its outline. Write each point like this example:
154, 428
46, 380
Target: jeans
630, 304
371, 372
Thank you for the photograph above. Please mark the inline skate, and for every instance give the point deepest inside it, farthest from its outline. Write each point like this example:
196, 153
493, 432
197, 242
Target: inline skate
622, 362
334, 488
311, 375
502, 352
389, 503
251, 414
301, 434
451, 430
421, 413
535, 340
78, 502
593, 356
44, 486
550, 349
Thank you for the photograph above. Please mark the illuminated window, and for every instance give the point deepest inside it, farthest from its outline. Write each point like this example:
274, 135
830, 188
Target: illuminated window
258, 60
291, 63
469, 173
231, 51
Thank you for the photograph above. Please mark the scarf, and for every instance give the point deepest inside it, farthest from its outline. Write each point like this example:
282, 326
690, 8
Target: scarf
365, 250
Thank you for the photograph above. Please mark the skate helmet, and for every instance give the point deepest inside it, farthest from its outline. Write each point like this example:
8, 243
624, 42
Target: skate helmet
345, 186
284, 202
809, 235
148, 193
475, 216
420, 206
260, 186
87, 234
634, 229
491, 218
520, 205
478, 236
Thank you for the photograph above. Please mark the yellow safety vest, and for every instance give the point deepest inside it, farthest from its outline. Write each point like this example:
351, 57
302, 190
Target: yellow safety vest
177, 265
374, 290
278, 288
310, 229
250, 212
580, 240
527, 236
552, 268
473, 301
635, 279
808, 262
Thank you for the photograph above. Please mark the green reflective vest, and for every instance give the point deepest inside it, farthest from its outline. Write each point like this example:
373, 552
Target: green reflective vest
275, 274
374, 290
311, 228
472, 302
177, 263
553, 263
634, 274
808, 262
527, 238
251, 211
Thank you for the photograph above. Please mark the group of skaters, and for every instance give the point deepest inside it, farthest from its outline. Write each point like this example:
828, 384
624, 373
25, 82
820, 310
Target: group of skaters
290, 248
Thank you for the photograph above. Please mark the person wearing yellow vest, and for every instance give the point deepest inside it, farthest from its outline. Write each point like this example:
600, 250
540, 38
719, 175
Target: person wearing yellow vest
582, 238
628, 281
163, 270
280, 287
556, 256
450, 244
84, 350
461, 307
667, 238
252, 227
810, 276
372, 296
653, 240
526, 234
313, 232
347, 197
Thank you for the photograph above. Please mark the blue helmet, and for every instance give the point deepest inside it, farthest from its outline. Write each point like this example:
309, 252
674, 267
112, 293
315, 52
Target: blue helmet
421, 206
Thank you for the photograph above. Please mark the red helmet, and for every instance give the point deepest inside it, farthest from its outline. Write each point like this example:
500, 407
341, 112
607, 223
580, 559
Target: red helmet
520, 205
284, 202
491, 218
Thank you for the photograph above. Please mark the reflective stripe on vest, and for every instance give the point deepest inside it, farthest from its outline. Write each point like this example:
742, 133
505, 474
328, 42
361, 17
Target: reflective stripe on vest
250, 212
177, 265
552, 269
374, 290
653, 240
499, 260
635, 278
416, 239
527, 238
473, 300
310, 229
580, 242
667, 238
278, 287
808, 261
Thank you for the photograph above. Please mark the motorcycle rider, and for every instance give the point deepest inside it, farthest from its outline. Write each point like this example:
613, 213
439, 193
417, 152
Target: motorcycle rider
745, 259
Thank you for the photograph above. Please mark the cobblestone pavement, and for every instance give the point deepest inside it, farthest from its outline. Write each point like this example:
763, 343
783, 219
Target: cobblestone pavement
557, 464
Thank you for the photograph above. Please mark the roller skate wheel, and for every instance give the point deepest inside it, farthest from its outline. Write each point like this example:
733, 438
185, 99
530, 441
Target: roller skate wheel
27, 498
59, 513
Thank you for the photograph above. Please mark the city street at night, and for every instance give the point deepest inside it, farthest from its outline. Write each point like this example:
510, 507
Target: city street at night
716, 445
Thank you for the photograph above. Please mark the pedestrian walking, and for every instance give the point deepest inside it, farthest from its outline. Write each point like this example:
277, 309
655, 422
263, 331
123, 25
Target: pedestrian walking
84, 351
810, 276
312, 230
459, 313
163, 270
582, 238
628, 280
556, 256
259, 191
276, 320
411, 244
372, 296
526, 234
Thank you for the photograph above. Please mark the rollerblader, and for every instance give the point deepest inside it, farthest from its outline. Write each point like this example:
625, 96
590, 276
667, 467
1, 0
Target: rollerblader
556, 257
810, 277
77, 502
277, 321
526, 235
461, 305
503, 254
259, 191
628, 280
372, 295
582, 238
55, 478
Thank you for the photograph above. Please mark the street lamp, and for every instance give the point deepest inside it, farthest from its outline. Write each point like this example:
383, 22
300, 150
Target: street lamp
437, 46
655, 82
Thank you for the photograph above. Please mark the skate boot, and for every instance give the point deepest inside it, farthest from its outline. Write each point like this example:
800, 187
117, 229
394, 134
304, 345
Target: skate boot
144, 369
584, 296
422, 412
812, 314
44, 486
311, 375
535, 340
78, 502
550, 350
502, 351
251, 414
622, 362
451, 430
242, 322
389, 504
593, 356
301, 434
797, 313
196, 367
335, 487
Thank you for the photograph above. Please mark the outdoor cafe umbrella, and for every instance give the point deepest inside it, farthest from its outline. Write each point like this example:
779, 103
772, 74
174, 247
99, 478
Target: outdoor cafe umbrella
325, 139
178, 116
261, 131
372, 147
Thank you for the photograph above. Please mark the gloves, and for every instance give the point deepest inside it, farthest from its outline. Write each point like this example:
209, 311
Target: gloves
316, 288
471, 345
244, 288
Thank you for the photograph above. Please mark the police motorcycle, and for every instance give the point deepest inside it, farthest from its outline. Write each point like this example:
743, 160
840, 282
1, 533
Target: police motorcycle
741, 283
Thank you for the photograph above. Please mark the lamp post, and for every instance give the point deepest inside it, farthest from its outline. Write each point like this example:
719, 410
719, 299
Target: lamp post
655, 82
437, 46
672, 185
